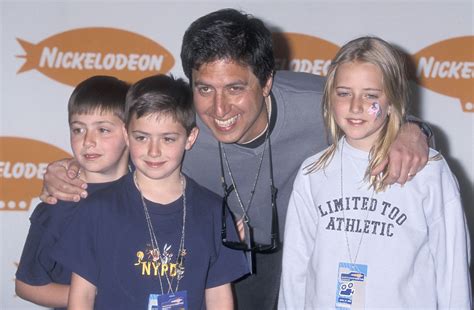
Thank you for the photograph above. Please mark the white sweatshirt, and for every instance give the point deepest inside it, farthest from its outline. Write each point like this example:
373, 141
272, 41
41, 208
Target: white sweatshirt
414, 237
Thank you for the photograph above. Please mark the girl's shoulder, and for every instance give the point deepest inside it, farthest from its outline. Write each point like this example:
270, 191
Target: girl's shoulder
308, 164
436, 165
436, 179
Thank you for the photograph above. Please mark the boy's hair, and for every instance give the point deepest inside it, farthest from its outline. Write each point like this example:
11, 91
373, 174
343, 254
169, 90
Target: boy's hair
395, 86
162, 94
231, 35
100, 93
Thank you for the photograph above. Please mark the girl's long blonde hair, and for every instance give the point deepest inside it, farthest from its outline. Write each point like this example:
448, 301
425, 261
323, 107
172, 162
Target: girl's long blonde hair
395, 86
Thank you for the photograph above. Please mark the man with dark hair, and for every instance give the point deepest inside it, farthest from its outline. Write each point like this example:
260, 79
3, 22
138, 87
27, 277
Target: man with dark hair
262, 121
257, 126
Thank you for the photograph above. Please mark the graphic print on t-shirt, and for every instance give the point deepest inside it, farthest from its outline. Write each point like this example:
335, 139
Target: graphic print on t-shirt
159, 263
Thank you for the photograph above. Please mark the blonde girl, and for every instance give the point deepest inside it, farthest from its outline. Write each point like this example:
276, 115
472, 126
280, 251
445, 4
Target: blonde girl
350, 240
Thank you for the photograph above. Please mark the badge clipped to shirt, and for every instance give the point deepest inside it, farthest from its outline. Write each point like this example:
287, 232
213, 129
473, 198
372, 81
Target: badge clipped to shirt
351, 282
172, 301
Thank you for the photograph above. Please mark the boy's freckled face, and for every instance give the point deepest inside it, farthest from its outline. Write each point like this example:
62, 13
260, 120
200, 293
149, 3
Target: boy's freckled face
98, 143
157, 144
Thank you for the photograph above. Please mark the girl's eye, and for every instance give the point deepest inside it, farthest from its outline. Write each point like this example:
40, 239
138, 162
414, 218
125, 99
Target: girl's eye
372, 96
342, 94
104, 130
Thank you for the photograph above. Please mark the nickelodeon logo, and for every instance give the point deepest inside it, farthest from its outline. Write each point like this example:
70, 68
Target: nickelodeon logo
22, 165
303, 53
72, 56
447, 67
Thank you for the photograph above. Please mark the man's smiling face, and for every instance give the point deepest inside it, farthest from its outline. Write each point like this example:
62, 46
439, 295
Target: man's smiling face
230, 100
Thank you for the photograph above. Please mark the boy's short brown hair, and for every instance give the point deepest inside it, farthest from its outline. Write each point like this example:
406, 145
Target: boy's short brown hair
162, 94
100, 93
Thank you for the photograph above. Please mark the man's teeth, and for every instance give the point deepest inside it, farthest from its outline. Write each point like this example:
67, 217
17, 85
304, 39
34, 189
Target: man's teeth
226, 123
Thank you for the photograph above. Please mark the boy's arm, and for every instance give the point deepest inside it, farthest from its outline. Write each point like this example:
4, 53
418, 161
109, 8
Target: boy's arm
219, 297
33, 279
61, 181
82, 294
51, 295
407, 156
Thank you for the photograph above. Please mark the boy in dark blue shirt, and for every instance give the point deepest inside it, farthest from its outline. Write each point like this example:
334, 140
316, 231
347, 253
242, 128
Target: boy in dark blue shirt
96, 111
152, 239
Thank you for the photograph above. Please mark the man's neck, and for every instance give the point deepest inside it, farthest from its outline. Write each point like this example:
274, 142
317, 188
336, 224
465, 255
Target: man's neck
271, 114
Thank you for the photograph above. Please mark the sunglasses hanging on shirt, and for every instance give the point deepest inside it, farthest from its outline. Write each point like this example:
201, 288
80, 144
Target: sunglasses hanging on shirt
249, 244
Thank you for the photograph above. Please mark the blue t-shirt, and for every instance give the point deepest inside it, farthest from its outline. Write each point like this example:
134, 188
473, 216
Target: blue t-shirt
108, 244
48, 223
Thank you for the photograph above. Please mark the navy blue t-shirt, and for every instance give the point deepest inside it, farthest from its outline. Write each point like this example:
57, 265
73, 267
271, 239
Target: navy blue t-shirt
108, 244
48, 223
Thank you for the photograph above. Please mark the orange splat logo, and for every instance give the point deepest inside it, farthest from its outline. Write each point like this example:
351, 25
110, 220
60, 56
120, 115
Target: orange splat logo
447, 67
303, 53
22, 165
72, 56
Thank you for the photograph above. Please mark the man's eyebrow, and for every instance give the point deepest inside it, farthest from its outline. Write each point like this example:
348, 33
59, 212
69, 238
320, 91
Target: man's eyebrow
233, 83
239, 82
199, 83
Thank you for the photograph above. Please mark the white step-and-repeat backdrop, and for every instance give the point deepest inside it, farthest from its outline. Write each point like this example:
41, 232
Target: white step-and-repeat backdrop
47, 47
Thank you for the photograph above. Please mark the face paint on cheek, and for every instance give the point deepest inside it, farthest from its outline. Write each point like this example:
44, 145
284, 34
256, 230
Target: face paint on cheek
375, 109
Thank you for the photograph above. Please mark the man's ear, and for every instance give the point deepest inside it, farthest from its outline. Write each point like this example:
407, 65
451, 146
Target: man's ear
192, 138
268, 86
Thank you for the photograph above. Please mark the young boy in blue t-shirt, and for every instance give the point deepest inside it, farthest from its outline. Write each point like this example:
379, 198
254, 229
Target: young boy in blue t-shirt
96, 111
152, 239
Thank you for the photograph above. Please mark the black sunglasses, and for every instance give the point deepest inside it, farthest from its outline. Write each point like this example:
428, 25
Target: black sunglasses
274, 244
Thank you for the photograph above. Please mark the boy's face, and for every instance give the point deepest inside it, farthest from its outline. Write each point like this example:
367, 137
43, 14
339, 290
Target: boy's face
98, 143
157, 144
230, 100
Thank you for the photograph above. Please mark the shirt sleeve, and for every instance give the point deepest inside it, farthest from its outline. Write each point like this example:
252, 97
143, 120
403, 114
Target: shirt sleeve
228, 265
450, 246
76, 249
30, 270
300, 233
